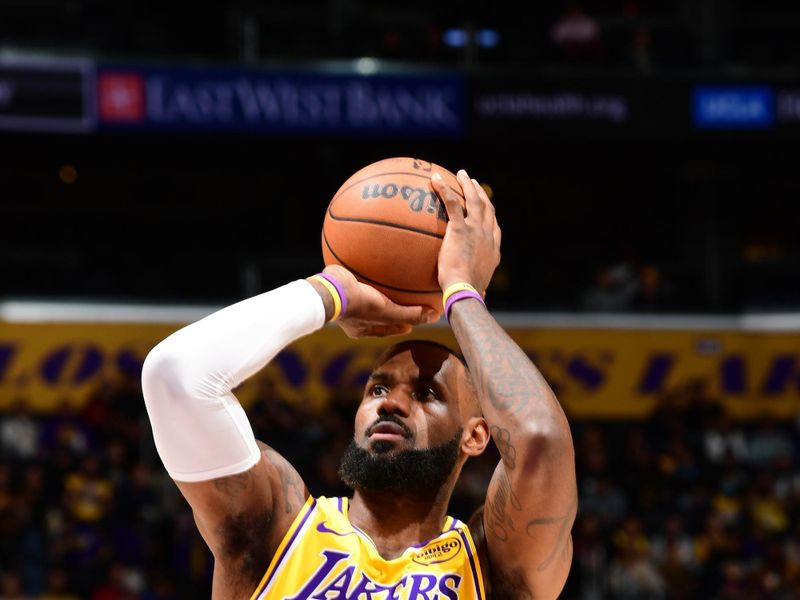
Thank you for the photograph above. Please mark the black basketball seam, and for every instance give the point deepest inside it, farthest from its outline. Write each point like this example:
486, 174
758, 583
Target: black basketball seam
384, 223
361, 276
460, 195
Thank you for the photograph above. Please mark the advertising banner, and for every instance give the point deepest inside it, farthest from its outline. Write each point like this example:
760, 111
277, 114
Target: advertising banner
596, 373
268, 101
52, 95
733, 107
575, 106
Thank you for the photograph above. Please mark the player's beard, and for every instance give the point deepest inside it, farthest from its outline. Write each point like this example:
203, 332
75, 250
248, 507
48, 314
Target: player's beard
414, 470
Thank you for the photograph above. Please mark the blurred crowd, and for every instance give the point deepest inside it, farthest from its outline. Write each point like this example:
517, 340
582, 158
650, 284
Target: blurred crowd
687, 504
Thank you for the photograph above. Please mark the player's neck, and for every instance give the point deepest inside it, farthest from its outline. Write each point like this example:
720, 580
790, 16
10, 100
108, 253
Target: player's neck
396, 522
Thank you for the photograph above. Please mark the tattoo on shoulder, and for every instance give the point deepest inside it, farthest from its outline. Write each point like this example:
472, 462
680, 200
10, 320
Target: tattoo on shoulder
496, 516
563, 540
291, 484
233, 485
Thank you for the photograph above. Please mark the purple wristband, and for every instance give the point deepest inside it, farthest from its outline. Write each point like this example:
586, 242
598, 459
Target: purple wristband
342, 296
462, 295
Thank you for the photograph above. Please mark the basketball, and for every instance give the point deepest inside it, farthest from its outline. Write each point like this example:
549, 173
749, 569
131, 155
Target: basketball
385, 224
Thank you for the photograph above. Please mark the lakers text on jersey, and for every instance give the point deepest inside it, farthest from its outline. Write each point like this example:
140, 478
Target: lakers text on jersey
325, 557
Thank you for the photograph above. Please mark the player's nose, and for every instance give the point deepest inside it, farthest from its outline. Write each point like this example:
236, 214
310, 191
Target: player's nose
397, 402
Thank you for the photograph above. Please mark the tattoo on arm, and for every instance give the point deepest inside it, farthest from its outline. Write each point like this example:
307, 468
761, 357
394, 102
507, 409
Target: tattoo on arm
503, 372
563, 539
234, 485
290, 481
502, 439
498, 521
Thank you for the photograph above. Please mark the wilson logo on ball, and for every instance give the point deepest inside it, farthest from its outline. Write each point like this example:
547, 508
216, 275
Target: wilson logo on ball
416, 197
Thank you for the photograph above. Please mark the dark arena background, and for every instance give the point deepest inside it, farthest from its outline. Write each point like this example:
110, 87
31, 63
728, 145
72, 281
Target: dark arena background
159, 161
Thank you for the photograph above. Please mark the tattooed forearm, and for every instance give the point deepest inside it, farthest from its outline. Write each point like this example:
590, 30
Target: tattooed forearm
503, 373
563, 541
234, 485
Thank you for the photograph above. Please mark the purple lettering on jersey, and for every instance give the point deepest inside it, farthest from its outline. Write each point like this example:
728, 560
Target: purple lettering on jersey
340, 584
393, 589
421, 584
366, 587
332, 558
450, 592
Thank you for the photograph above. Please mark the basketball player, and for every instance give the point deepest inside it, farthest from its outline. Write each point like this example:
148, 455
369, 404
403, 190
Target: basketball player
422, 415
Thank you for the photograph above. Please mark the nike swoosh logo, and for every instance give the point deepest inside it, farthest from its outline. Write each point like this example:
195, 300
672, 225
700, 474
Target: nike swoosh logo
322, 528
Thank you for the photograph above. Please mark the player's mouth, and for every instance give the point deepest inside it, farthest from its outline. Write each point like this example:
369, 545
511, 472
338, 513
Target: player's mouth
388, 431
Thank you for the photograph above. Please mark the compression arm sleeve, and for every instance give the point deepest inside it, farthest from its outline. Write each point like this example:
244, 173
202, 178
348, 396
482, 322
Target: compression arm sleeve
200, 429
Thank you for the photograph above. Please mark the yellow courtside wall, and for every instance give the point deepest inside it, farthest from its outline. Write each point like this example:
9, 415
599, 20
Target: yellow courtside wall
597, 372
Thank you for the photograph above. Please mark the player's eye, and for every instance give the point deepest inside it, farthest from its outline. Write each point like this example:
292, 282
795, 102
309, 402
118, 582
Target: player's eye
425, 394
378, 390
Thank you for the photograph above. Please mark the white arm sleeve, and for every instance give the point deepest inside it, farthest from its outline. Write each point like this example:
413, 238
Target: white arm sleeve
200, 429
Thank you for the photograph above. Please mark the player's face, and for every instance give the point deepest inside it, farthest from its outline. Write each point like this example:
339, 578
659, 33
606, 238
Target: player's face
416, 399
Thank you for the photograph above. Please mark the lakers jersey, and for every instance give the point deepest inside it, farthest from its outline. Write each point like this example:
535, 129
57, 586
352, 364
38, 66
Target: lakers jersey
324, 556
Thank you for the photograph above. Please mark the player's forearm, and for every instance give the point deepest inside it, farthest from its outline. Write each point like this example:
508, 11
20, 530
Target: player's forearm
515, 399
217, 353
201, 431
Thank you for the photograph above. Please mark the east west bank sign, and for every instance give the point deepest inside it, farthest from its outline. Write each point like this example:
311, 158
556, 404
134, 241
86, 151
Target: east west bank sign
265, 101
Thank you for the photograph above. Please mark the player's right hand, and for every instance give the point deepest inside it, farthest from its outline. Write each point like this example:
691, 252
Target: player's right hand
371, 314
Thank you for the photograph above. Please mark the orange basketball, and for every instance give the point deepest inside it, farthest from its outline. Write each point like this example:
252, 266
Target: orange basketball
386, 224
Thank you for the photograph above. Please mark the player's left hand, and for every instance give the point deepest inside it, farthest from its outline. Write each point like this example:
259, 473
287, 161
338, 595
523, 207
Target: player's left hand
371, 314
470, 249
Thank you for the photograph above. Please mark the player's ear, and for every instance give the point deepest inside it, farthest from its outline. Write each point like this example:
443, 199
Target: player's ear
476, 436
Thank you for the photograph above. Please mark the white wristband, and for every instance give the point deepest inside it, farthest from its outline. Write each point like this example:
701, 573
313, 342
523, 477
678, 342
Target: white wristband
200, 429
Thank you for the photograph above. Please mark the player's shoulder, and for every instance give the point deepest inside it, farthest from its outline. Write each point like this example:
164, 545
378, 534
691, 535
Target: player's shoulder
289, 490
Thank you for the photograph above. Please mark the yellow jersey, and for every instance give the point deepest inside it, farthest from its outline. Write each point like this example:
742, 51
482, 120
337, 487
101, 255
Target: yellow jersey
324, 556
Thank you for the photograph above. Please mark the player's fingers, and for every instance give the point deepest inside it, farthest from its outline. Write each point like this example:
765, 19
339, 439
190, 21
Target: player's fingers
395, 314
475, 207
398, 329
386, 330
481, 191
452, 202
484, 198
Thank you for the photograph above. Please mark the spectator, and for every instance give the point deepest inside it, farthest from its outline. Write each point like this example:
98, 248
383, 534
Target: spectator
673, 545
632, 574
605, 500
66, 430
768, 444
576, 34
88, 492
722, 440
122, 583
19, 432
591, 559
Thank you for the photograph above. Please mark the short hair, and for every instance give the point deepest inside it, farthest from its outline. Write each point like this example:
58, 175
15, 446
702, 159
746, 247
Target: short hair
400, 346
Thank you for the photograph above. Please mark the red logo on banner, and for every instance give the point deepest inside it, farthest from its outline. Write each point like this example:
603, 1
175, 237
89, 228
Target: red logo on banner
121, 97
